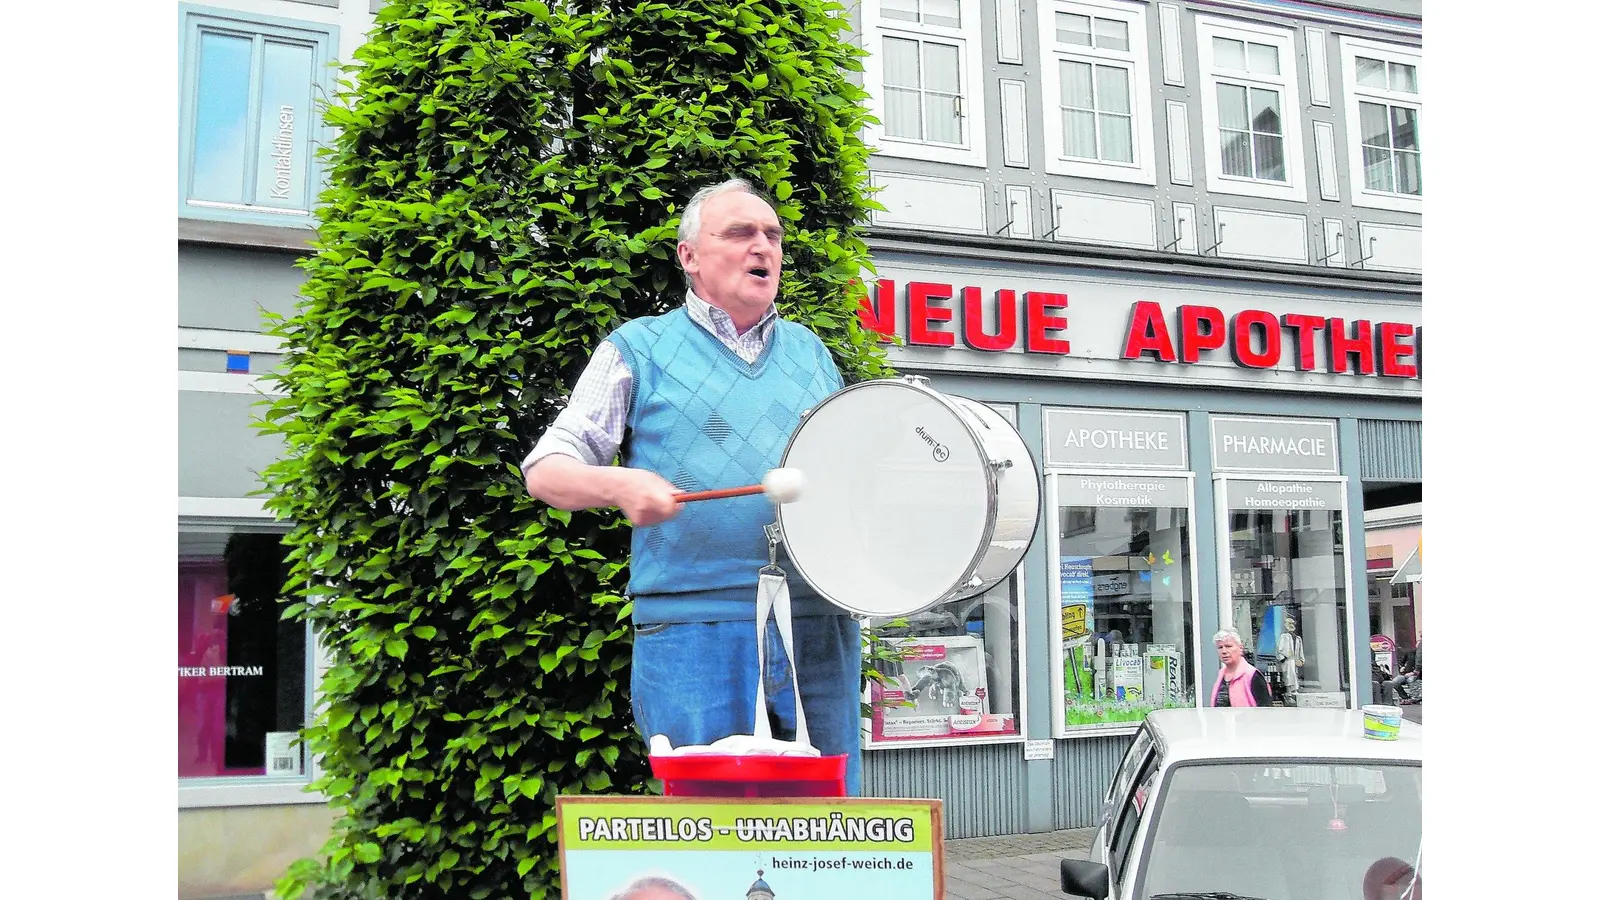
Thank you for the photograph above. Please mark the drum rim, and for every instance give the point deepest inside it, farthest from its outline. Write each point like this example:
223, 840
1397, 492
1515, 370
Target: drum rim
990, 519
1039, 475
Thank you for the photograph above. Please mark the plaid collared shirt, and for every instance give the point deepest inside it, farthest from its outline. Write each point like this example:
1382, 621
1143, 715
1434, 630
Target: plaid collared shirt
592, 425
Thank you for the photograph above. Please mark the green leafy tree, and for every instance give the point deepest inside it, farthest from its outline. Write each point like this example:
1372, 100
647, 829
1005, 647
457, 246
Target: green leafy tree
503, 192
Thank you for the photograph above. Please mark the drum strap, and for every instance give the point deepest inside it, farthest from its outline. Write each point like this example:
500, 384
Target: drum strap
772, 599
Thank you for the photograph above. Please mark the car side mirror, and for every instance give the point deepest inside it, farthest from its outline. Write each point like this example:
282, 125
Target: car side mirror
1082, 878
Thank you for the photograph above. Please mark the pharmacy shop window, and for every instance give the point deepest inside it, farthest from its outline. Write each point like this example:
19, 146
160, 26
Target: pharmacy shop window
1123, 595
245, 676
951, 674
1119, 514
1286, 571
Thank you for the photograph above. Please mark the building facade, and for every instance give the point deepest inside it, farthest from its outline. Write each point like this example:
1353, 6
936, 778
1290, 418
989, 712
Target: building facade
1177, 244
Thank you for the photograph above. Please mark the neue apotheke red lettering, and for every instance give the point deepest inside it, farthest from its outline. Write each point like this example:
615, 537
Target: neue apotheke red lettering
1188, 334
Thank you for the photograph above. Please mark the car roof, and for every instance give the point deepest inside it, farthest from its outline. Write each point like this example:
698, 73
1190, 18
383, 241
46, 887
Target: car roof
1236, 733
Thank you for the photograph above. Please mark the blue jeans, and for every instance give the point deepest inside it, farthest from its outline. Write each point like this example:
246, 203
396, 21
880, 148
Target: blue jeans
695, 682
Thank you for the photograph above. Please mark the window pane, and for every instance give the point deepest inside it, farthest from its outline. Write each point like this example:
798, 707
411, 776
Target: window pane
241, 671
1079, 133
1370, 73
1375, 162
1112, 85
1236, 153
222, 106
905, 10
1403, 78
1378, 804
1264, 59
902, 113
1269, 157
1375, 124
1231, 103
942, 12
1288, 591
902, 66
1265, 115
1071, 29
1077, 85
1408, 172
1228, 54
286, 126
943, 68
1111, 34
1116, 138
1404, 132
940, 114
1127, 624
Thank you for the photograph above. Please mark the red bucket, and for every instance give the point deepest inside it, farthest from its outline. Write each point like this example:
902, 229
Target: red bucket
750, 776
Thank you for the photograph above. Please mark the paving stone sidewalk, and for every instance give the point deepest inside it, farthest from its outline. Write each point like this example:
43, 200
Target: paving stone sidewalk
1014, 867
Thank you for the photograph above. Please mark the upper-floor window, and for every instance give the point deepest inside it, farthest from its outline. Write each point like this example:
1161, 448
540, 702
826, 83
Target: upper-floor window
1096, 87
921, 75
249, 116
1383, 103
1251, 108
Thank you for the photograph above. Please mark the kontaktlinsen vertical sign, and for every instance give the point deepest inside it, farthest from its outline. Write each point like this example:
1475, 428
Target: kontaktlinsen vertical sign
1113, 439
1259, 493
1262, 444
713, 848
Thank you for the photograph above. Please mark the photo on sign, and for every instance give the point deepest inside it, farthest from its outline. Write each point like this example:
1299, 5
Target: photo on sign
672, 848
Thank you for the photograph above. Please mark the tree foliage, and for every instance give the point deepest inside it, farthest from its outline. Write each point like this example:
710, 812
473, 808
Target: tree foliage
504, 191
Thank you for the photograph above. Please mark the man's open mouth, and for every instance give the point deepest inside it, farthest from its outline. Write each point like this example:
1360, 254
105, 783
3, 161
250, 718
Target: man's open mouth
759, 272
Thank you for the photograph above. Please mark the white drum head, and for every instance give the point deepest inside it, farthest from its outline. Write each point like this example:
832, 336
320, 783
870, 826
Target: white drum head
896, 505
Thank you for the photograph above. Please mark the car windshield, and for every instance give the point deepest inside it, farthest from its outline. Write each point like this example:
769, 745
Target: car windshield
1297, 831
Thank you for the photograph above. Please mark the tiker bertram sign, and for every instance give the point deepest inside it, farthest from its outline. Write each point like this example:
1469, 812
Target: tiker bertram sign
1154, 328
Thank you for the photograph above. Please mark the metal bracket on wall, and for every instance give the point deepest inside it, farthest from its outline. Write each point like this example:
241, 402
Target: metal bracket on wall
1222, 229
1002, 229
1371, 242
1177, 228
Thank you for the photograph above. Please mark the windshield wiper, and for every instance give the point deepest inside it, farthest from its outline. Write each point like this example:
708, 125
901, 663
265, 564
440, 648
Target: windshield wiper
1202, 895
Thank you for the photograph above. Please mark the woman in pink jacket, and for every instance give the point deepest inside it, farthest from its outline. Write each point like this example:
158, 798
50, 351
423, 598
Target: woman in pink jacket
1239, 683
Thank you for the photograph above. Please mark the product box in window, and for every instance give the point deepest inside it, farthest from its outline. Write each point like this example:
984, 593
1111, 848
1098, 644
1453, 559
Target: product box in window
940, 690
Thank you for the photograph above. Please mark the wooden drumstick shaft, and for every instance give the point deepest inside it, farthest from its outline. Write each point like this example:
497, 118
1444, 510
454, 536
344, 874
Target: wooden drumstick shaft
719, 494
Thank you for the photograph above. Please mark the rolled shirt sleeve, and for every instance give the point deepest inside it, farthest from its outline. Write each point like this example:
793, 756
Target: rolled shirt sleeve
591, 427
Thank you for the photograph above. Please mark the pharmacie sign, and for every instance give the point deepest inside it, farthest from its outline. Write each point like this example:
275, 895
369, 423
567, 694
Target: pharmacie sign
1148, 327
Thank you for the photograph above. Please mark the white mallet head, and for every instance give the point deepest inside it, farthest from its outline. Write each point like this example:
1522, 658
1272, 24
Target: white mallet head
784, 485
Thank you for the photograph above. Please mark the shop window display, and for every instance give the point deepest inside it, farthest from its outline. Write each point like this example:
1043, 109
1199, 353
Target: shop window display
1287, 577
1125, 592
242, 686
950, 673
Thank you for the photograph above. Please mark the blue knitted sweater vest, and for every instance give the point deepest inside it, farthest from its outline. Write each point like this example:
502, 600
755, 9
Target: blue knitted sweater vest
702, 418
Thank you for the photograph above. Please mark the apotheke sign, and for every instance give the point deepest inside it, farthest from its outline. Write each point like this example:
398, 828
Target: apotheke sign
1108, 439
1164, 321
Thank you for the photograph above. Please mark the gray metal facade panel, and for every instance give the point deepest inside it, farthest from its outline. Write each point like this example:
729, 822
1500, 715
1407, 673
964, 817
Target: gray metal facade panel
982, 787
229, 287
1390, 451
1082, 771
220, 453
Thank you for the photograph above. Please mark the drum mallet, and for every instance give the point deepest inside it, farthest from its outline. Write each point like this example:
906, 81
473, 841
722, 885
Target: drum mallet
780, 486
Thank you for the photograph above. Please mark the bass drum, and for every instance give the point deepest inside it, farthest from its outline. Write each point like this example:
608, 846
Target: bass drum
913, 498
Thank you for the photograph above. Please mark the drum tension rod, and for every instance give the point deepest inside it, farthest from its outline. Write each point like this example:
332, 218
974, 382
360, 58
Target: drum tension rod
773, 537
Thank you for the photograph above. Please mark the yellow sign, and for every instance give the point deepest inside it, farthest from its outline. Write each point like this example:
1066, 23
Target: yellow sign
1074, 621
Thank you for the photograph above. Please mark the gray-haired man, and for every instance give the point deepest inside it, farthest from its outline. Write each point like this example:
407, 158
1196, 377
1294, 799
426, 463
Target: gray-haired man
707, 397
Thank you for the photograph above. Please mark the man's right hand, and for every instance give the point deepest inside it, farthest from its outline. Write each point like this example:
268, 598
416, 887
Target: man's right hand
645, 497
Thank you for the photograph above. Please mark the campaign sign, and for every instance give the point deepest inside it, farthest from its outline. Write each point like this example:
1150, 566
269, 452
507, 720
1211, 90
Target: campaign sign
650, 848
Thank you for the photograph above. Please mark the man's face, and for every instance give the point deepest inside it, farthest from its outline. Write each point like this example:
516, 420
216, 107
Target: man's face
738, 257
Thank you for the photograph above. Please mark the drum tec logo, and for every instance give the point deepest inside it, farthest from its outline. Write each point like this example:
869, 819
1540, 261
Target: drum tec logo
940, 451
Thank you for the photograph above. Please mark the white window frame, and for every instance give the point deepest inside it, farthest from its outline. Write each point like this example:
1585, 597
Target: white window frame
1137, 59
968, 43
1294, 142
1349, 49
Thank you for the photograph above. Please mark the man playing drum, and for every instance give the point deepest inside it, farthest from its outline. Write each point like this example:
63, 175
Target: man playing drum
708, 396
